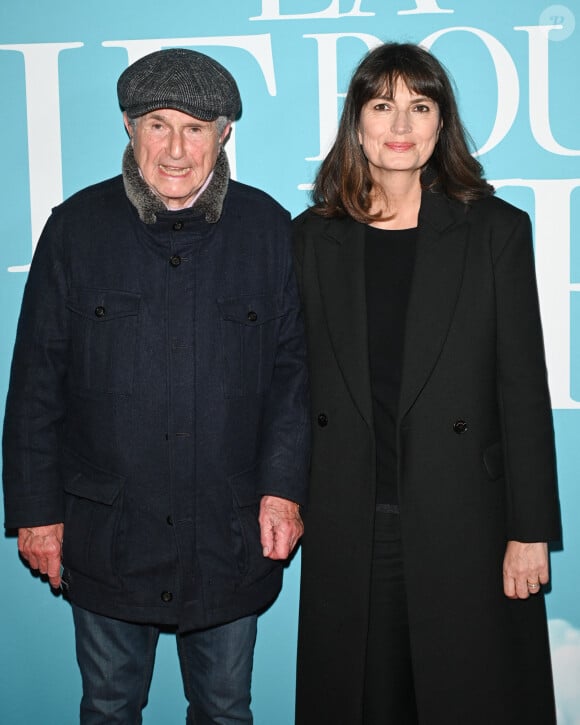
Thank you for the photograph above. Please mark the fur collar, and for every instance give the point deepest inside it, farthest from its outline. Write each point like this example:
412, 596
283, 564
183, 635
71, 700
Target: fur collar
148, 204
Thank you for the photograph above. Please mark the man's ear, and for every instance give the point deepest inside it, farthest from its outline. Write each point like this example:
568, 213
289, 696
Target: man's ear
225, 134
128, 126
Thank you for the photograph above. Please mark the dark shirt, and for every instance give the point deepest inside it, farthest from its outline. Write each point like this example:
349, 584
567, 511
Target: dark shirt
389, 260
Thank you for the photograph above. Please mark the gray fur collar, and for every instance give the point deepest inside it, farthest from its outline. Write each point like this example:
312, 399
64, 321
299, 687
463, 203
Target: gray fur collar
148, 204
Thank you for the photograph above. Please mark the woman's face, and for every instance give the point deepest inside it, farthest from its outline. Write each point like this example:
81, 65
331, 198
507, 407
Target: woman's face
398, 134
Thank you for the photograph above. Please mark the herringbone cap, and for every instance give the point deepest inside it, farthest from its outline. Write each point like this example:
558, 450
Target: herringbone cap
182, 79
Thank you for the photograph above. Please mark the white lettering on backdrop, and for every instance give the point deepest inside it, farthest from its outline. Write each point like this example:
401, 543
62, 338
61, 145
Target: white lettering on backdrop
552, 196
43, 120
552, 235
271, 11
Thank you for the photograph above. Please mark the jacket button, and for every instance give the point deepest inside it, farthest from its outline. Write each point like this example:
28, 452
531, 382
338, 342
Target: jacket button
166, 596
252, 316
175, 261
460, 426
322, 420
178, 226
169, 520
100, 311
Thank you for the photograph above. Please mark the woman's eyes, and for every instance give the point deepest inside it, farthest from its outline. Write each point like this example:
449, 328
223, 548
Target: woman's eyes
418, 108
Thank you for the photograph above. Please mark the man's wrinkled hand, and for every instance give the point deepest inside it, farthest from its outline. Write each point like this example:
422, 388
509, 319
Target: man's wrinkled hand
280, 525
41, 547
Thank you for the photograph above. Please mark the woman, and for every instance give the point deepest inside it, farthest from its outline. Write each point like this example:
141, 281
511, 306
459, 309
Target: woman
433, 475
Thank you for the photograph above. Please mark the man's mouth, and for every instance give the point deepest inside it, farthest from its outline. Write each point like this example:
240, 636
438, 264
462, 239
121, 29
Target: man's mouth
175, 170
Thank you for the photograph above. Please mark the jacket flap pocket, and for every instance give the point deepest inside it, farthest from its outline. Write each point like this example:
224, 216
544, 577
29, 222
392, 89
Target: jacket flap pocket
83, 479
493, 461
251, 309
243, 487
101, 305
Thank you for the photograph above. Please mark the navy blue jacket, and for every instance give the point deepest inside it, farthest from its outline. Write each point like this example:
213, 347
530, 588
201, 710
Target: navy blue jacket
158, 390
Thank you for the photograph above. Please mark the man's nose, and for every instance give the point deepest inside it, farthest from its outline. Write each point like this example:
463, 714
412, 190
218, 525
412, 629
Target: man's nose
175, 145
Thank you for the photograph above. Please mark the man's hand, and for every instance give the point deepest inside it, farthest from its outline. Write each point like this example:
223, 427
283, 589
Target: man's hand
525, 569
41, 546
280, 525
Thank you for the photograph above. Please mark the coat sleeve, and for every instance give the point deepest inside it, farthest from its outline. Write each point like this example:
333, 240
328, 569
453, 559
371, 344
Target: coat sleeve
524, 400
286, 429
35, 403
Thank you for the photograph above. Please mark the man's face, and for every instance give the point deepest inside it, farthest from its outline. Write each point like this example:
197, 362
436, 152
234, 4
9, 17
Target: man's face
175, 153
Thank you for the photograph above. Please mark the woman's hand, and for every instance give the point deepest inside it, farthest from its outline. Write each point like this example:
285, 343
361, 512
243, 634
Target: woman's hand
525, 569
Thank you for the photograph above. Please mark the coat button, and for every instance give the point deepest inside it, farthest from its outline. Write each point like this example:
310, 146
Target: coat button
252, 316
169, 520
322, 420
178, 226
460, 426
166, 596
175, 261
100, 311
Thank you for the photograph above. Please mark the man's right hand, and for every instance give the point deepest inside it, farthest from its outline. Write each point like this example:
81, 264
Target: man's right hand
41, 546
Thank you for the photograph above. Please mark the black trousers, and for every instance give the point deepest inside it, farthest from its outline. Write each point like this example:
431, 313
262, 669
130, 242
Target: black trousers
389, 695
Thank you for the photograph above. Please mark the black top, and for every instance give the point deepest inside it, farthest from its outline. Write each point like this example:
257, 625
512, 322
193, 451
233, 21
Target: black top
389, 261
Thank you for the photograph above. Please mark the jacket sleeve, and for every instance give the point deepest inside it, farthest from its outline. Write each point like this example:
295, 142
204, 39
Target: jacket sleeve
524, 400
286, 428
35, 402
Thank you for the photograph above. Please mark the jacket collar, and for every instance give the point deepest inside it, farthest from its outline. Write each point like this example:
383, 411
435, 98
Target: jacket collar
437, 213
148, 204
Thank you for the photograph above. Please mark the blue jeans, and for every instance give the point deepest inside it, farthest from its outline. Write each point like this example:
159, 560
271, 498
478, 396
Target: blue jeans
116, 661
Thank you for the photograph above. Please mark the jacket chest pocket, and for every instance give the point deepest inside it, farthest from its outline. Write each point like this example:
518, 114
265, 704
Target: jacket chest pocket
249, 334
103, 338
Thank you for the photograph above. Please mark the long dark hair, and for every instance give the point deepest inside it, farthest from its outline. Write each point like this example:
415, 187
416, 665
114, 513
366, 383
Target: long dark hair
343, 183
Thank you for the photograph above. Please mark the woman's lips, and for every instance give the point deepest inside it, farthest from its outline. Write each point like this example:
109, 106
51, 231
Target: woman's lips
400, 147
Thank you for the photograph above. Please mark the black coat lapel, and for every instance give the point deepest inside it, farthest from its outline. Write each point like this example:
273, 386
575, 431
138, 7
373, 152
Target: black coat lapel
341, 265
439, 264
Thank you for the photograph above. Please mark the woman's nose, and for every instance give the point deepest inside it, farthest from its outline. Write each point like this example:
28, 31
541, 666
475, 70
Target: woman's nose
401, 122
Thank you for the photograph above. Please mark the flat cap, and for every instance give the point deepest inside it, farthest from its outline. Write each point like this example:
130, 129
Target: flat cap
181, 79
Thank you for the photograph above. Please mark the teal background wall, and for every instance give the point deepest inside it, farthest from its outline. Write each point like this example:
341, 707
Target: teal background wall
515, 65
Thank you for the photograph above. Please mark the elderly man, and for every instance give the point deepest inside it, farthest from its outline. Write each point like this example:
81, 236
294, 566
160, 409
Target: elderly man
156, 425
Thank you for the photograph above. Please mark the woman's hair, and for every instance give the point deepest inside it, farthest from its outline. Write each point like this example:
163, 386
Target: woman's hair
343, 183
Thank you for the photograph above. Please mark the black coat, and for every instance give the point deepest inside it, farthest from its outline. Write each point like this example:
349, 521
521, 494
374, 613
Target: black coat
473, 353
158, 390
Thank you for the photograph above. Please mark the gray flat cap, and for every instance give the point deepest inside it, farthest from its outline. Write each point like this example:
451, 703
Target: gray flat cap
181, 79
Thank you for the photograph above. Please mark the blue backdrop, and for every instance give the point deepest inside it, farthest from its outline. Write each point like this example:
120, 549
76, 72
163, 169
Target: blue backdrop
515, 65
